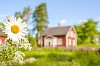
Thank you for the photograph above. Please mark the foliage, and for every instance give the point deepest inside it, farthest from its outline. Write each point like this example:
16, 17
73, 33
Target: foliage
89, 45
1, 27
25, 14
40, 19
31, 40
97, 40
87, 31
62, 57
10, 48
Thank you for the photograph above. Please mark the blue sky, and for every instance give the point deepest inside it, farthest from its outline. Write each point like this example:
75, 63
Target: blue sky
67, 12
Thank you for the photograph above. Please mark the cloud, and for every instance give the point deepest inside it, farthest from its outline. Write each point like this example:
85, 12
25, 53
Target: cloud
62, 21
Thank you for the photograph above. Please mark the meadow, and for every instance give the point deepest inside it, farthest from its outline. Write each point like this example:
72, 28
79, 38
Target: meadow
62, 57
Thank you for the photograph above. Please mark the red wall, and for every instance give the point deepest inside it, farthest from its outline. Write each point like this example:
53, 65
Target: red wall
72, 38
63, 37
2, 38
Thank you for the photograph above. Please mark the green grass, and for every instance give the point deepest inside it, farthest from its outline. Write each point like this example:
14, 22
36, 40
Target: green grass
62, 57
49, 57
91, 45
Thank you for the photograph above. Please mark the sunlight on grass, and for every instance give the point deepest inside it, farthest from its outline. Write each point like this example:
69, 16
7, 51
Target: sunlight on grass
62, 57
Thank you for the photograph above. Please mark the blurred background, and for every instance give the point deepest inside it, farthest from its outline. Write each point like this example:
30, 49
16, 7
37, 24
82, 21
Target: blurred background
41, 14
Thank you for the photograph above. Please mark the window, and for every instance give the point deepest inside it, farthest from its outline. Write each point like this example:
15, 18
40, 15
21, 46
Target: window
69, 41
48, 41
74, 35
74, 42
68, 34
59, 41
71, 33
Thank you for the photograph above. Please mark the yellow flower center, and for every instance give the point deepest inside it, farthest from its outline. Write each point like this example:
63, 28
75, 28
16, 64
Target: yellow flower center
15, 29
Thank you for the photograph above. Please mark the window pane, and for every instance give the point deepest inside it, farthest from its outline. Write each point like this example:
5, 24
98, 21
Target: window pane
74, 43
69, 41
71, 33
59, 41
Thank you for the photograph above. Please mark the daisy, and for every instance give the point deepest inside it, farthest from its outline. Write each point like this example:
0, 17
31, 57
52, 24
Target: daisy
15, 28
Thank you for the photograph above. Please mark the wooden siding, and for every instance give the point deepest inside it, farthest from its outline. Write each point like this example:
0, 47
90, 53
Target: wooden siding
2, 38
72, 38
63, 37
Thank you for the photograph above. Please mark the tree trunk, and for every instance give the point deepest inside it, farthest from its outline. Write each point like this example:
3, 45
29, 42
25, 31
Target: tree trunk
36, 39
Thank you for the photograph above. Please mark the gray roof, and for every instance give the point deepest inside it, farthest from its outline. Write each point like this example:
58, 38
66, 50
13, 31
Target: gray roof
2, 34
56, 31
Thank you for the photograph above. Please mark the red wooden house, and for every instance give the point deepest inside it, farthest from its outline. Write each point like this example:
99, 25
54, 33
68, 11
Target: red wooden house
2, 36
59, 36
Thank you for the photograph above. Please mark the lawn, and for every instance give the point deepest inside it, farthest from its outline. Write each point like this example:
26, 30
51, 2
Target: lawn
91, 45
62, 57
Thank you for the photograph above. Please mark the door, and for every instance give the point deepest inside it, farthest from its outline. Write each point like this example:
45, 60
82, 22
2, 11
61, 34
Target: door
50, 42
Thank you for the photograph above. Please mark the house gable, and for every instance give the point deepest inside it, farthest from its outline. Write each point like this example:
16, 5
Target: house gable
61, 36
2, 37
71, 37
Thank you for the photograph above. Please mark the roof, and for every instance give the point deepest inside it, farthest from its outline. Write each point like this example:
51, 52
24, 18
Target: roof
2, 34
56, 31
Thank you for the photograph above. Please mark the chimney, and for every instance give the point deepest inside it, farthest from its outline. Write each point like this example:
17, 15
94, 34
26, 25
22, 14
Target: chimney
59, 24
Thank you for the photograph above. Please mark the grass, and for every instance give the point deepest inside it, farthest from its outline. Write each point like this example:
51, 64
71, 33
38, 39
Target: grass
49, 57
62, 57
91, 45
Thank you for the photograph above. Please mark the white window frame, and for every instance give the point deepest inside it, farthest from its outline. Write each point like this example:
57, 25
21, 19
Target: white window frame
69, 41
59, 41
51, 40
72, 34
47, 40
74, 42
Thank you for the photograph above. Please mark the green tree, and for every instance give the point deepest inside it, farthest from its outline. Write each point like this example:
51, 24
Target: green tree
31, 39
87, 31
25, 14
40, 19
1, 27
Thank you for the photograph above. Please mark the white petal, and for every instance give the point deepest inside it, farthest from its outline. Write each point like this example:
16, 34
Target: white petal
19, 20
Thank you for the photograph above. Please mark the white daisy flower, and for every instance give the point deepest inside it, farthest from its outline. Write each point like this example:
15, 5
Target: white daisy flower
15, 28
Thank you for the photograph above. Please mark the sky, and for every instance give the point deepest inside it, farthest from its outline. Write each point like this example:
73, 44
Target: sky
66, 12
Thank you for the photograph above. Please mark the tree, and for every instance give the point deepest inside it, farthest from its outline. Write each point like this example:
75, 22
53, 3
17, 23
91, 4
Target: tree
25, 14
87, 31
40, 19
31, 40
1, 27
